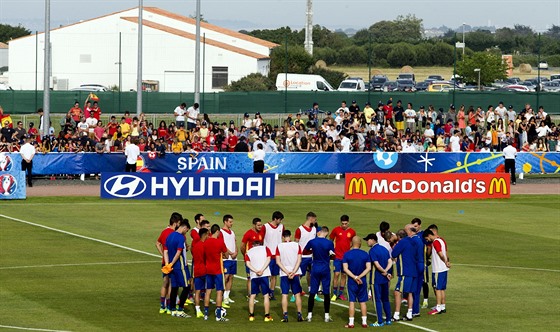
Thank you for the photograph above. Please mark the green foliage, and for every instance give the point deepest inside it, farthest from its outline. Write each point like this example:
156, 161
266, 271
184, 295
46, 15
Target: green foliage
553, 60
326, 54
332, 76
9, 32
479, 40
403, 29
553, 32
402, 54
323, 37
299, 61
352, 55
278, 36
380, 53
251, 82
424, 54
442, 54
491, 68
530, 59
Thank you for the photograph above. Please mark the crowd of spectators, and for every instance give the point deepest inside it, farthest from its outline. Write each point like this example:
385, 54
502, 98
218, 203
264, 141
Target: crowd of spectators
399, 127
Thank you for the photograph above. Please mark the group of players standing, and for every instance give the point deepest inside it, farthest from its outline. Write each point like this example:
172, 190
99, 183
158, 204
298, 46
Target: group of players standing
269, 252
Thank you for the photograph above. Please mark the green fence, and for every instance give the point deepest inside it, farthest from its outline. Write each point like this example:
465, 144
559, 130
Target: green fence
25, 102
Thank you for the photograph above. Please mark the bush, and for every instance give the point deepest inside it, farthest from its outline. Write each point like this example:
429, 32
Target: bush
251, 82
332, 76
402, 55
530, 59
352, 55
553, 60
326, 54
423, 54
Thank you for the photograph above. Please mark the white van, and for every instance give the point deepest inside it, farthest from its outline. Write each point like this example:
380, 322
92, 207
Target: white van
302, 82
352, 84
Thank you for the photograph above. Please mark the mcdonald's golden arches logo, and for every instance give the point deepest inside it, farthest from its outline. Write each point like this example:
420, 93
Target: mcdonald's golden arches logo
497, 185
357, 185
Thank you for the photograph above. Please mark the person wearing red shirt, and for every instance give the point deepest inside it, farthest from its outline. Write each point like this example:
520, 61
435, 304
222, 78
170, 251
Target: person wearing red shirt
247, 242
232, 140
76, 112
214, 248
199, 268
342, 236
201, 223
160, 245
388, 110
96, 110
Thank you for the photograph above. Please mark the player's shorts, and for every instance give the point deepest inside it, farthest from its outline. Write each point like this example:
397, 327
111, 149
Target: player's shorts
260, 285
200, 283
439, 280
274, 268
230, 267
305, 265
287, 284
215, 281
337, 265
399, 125
357, 293
409, 284
320, 277
180, 277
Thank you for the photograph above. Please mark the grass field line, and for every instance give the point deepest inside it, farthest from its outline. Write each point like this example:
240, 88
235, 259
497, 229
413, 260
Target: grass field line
71, 265
508, 267
29, 328
154, 255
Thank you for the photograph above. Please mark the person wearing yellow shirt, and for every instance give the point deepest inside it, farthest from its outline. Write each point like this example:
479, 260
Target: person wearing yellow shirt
181, 134
368, 112
176, 147
125, 128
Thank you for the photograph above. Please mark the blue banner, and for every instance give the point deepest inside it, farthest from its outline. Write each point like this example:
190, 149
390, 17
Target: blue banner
187, 186
12, 185
290, 163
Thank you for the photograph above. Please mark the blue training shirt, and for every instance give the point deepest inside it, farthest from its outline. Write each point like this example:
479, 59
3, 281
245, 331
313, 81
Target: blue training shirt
406, 249
419, 246
320, 248
176, 241
356, 260
380, 254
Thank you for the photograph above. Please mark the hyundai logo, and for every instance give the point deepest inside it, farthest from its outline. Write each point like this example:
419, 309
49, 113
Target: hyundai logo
125, 186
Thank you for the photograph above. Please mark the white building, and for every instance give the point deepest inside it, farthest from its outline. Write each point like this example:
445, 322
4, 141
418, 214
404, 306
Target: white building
88, 53
3, 55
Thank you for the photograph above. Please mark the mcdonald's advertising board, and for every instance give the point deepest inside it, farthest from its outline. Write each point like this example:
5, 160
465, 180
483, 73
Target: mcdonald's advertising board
410, 186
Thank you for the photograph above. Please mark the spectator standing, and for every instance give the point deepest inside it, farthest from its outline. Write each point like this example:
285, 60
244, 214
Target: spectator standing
192, 116
410, 115
509, 154
27, 152
258, 159
179, 114
131, 152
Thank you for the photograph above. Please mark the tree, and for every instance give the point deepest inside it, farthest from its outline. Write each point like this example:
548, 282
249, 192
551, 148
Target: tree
352, 55
402, 54
491, 68
554, 32
251, 82
8, 32
402, 29
299, 61
326, 54
332, 76
480, 40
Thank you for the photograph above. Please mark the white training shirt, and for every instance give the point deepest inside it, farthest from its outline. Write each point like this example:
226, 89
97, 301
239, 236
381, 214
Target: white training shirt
510, 152
305, 234
132, 151
27, 151
438, 265
180, 114
229, 240
272, 236
288, 252
382, 242
258, 155
410, 115
257, 256
192, 113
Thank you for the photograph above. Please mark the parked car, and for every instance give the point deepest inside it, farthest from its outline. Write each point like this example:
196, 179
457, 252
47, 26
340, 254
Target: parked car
555, 77
517, 87
552, 86
439, 87
377, 82
406, 76
389, 86
352, 84
91, 88
406, 85
543, 65
435, 77
422, 86
529, 84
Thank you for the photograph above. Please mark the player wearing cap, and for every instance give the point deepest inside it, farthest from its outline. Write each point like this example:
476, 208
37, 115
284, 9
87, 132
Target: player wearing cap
271, 233
356, 264
288, 258
342, 236
175, 258
440, 267
322, 250
257, 260
175, 218
379, 279
230, 262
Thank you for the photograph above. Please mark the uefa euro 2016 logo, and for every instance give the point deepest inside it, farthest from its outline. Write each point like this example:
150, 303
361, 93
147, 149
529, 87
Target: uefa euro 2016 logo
6, 162
385, 160
8, 185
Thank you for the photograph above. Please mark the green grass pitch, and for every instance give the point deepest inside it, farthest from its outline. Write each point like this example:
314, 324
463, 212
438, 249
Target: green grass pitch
505, 256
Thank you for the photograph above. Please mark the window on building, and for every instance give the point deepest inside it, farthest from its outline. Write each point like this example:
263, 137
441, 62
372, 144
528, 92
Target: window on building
219, 77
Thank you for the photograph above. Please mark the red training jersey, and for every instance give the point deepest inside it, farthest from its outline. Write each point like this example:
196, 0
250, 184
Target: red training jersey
342, 240
163, 237
198, 261
213, 249
250, 237
194, 235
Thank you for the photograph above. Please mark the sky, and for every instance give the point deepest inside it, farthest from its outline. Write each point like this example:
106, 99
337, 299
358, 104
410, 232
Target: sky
271, 14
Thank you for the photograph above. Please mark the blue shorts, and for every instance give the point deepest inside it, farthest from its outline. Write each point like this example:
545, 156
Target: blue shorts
405, 284
180, 277
230, 267
323, 277
357, 293
200, 283
305, 265
260, 285
215, 281
439, 280
337, 265
286, 284
274, 268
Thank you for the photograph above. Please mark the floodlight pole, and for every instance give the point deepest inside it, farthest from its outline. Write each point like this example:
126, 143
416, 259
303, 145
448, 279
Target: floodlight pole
47, 73
197, 56
478, 70
139, 70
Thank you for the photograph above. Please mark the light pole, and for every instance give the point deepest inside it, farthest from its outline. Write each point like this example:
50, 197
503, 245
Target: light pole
477, 70
463, 58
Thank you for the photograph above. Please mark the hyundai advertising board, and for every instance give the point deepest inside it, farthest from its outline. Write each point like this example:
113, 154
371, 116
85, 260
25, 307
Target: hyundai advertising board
187, 186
